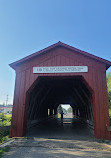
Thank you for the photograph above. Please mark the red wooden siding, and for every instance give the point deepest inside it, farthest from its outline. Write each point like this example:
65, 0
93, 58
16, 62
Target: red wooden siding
96, 79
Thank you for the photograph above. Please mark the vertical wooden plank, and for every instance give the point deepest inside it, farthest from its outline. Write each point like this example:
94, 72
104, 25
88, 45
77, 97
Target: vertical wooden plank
106, 107
15, 105
101, 107
97, 115
13, 121
21, 106
27, 83
31, 77
93, 100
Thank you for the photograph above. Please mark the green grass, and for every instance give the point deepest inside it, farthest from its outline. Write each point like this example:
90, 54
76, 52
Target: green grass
2, 150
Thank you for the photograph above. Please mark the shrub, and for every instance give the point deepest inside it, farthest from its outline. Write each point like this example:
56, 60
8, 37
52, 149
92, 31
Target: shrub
2, 150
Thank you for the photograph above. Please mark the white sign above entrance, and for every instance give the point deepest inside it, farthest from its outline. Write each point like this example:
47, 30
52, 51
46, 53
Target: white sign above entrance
60, 69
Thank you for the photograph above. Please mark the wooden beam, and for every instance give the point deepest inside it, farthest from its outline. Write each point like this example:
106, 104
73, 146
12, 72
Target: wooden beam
44, 97
32, 104
76, 91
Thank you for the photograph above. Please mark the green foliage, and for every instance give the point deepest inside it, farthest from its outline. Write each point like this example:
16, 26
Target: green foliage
69, 110
64, 111
4, 129
109, 92
5, 119
109, 95
2, 150
2, 120
4, 135
110, 115
108, 76
60, 109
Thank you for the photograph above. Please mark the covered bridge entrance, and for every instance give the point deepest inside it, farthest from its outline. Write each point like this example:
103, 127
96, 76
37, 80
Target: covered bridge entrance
60, 74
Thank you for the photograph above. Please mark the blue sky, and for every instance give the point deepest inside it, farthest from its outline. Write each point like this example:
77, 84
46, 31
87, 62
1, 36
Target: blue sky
27, 26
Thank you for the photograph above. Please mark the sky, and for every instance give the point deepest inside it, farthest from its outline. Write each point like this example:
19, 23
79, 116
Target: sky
65, 106
27, 26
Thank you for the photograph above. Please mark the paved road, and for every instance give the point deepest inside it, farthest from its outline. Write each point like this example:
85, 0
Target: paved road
57, 140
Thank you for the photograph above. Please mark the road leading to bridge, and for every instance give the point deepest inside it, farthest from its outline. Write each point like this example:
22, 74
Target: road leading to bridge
54, 139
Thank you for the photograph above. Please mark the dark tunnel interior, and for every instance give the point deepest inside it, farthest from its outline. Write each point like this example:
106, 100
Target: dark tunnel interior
49, 92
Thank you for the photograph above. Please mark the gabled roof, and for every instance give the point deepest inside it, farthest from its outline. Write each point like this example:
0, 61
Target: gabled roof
17, 63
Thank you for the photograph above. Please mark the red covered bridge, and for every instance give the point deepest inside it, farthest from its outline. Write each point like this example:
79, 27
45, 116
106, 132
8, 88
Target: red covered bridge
60, 74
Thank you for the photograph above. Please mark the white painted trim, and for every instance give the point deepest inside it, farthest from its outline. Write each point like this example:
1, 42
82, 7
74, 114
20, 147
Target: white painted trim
60, 69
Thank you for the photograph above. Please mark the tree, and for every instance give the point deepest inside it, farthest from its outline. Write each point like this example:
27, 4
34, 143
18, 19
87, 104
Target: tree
59, 109
2, 119
109, 95
108, 76
69, 110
